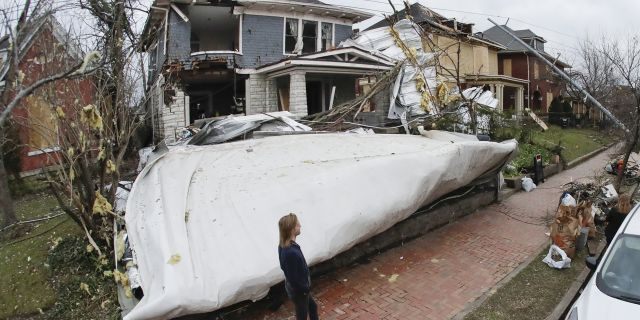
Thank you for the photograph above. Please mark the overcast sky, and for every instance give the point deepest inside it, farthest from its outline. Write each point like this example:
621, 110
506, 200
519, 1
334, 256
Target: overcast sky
563, 23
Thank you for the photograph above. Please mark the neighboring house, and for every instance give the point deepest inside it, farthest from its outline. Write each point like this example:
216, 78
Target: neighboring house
45, 51
516, 61
478, 61
210, 59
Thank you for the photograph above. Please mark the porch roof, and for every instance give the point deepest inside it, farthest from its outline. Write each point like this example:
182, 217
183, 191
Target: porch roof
495, 78
341, 60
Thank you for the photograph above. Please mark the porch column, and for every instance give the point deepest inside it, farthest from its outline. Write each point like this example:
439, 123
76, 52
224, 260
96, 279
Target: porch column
255, 93
500, 96
272, 96
298, 93
520, 100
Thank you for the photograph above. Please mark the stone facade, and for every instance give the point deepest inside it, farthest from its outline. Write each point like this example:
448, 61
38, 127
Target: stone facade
298, 93
256, 94
271, 101
167, 119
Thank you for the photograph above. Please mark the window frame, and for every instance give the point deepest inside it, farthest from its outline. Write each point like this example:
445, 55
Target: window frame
300, 21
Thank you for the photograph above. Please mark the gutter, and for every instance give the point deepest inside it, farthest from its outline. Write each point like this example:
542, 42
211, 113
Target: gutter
166, 26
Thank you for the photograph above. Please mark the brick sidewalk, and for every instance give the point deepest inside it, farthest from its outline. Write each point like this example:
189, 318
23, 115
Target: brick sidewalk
437, 275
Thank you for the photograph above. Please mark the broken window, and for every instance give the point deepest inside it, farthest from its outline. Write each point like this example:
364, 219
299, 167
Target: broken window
291, 36
327, 36
309, 36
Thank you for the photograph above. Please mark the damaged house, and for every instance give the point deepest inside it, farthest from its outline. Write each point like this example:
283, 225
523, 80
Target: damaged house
477, 64
216, 58
515, 61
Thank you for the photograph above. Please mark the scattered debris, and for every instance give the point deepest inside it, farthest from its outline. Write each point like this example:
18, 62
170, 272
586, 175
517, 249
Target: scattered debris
393, 277
175, 259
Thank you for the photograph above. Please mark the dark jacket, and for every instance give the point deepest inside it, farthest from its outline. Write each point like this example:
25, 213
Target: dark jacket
296, 271
614, 221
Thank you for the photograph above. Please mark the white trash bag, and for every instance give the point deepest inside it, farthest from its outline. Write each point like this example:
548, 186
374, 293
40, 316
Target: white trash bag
569, 201
561, 264
609, 192
528, 185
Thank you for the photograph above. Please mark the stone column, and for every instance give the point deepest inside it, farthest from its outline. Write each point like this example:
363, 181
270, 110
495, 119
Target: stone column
520, 100
500, 96
272, 96
256, 93
174, 116
298, 93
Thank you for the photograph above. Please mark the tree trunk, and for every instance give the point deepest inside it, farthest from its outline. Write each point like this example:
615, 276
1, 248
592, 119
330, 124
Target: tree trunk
6, 202
630, 146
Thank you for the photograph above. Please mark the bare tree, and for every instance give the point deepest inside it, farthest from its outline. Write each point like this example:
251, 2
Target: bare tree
31, 17
624, 58
595, 74
95, 138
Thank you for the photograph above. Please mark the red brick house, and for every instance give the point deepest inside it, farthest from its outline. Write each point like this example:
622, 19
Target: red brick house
516, 61
44, 52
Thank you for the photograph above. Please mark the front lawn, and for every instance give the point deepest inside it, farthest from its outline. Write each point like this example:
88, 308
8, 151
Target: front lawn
531, 294
24, 272
575, 142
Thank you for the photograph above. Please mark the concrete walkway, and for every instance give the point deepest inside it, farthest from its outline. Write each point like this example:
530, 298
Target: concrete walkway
439, 275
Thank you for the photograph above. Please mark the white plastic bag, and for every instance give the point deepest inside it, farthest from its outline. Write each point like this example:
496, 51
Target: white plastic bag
568, 201
562, 264
528, 185
610, 192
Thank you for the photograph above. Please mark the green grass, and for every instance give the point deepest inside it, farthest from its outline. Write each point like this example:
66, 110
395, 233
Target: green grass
576, 142
24, 273
531, 294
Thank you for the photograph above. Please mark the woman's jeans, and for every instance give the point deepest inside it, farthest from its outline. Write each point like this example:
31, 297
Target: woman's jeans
305, 307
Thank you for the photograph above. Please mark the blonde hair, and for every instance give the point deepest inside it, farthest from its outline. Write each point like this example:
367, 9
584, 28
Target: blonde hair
287, 225
624, 203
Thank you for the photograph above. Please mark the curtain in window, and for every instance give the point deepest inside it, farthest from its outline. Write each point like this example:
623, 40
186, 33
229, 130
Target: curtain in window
292, 41
327, 36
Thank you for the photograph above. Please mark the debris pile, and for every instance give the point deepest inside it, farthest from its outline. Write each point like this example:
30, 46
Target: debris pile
582, 207
416, 90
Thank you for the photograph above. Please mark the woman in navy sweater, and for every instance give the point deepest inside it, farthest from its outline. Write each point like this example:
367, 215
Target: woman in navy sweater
296, 272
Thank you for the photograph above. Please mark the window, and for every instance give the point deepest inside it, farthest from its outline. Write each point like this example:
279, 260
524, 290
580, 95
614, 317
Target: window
195, 42
327, 36
305, 36
43, 130
291, 36
506, 67
619, 276
309, 36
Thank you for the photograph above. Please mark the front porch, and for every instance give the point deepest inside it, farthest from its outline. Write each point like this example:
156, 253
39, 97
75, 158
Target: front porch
313, 83
508, 90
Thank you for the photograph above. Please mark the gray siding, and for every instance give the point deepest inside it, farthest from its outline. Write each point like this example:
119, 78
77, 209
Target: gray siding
179, 38
343, 32
262, 40
161, 56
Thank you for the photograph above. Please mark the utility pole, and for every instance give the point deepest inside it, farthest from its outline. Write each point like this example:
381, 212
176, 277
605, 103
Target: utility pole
564, 76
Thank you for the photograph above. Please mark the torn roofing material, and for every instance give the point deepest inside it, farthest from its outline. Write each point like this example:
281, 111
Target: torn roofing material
234, 194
